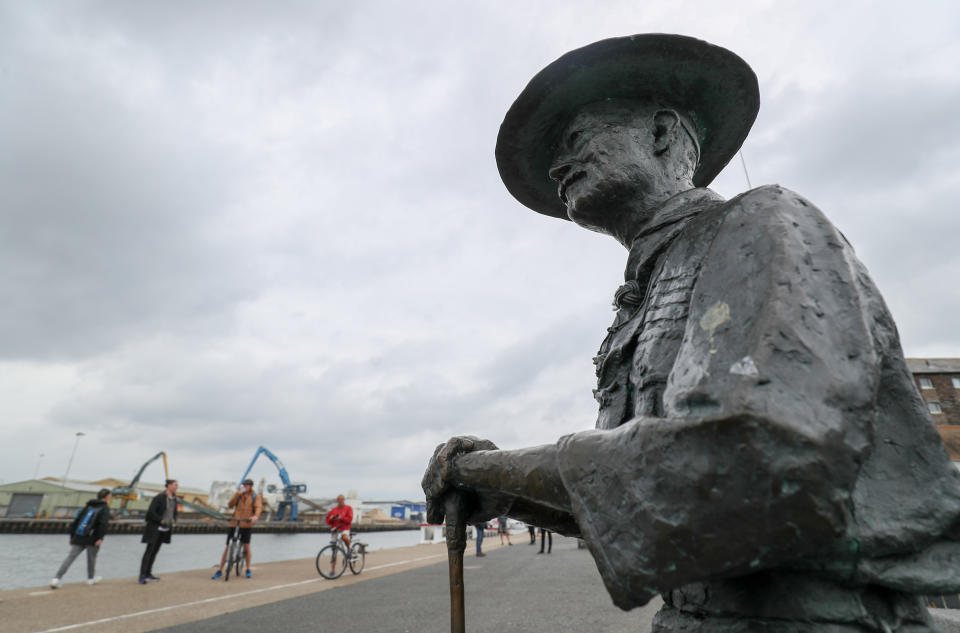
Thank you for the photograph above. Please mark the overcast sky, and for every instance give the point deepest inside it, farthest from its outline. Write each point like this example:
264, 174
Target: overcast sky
226, 225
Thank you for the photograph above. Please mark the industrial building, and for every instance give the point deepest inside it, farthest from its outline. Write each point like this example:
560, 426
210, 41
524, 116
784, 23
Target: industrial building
938, 380
403, 510
51, 498
45, 498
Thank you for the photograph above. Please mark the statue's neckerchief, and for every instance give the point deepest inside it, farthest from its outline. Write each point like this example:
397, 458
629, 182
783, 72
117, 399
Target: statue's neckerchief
656, 236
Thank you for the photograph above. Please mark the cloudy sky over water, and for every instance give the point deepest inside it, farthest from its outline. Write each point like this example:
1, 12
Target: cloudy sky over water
232, 224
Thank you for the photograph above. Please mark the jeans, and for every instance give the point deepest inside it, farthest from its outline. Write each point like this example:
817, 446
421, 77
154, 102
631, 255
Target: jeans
75, 550
149, 554
546, 535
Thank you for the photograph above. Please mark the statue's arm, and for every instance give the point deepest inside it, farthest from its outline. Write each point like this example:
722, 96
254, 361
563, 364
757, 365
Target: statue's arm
524, 484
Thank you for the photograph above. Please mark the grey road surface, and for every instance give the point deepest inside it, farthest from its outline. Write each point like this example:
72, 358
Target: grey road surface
510, 590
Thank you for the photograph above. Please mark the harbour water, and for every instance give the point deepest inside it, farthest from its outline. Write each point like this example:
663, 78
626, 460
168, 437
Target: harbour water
31, 560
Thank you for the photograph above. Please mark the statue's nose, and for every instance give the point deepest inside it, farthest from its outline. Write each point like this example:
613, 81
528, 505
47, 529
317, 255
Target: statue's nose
558, 171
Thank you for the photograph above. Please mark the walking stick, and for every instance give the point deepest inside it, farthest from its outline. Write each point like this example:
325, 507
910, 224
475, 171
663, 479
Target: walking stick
456, 534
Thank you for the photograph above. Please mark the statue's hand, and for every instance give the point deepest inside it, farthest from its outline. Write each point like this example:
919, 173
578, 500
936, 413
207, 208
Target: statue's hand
441, 477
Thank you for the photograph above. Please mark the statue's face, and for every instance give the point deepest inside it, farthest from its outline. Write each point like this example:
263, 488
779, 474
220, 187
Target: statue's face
604, 164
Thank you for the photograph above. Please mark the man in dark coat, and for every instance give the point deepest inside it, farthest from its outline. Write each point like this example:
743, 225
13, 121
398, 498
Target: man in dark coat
86, 534
160, 519
762, 458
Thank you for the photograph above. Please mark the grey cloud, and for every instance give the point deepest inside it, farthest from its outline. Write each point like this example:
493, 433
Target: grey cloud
234, 224
565, 339
889, 131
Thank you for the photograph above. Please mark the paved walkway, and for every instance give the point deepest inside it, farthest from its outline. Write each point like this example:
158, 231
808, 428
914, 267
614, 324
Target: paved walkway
511, 589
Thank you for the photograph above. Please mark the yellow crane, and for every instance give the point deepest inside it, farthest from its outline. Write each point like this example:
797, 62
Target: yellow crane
129, 493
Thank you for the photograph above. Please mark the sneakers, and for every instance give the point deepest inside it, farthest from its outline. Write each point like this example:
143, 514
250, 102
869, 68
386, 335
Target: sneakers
151, 578
248, 574
217, 575
479, 554
55, 583
142, 580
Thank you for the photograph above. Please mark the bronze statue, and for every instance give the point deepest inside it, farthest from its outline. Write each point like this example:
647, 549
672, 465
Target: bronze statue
762, 457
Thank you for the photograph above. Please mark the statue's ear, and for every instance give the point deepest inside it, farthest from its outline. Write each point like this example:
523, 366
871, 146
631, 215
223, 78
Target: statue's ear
665, 122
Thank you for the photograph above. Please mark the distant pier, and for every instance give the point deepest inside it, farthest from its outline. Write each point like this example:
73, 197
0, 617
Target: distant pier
192, 526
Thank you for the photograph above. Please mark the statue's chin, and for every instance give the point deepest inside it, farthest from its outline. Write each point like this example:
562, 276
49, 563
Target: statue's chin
588, 217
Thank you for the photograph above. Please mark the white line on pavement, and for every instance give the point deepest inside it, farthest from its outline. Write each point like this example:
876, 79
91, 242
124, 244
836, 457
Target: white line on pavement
124, 616
404, 562
176, 606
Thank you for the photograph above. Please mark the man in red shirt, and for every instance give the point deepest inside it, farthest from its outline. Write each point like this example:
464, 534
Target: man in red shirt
340, 518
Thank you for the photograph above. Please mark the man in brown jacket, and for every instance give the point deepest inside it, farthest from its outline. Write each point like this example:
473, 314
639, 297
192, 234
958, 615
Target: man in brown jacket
247, 508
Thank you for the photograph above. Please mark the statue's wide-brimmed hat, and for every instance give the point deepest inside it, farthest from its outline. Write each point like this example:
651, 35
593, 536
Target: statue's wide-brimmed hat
715, 89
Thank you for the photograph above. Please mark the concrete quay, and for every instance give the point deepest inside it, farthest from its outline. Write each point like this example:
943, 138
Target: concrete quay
194, 526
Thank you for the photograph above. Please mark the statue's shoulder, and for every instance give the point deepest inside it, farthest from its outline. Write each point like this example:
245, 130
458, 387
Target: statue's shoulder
772, 206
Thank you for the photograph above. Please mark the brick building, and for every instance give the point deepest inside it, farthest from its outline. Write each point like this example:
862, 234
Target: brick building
938, 380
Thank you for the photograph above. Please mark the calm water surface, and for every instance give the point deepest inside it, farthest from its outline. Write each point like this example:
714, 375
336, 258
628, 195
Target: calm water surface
31, 560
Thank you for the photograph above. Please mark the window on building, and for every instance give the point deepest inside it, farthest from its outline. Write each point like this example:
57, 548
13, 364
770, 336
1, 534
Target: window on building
926, 383
956, 382
934, 408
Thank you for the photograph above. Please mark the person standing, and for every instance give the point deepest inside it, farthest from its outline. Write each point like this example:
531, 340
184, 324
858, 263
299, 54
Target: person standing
160, 519
86, 534
247, 507
480, 527
546, 536
502, 530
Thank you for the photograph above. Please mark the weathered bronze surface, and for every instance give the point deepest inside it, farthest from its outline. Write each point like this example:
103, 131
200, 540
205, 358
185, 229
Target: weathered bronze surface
761, 458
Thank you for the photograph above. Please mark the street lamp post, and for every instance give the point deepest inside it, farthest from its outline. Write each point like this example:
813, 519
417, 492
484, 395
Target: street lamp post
36, 471
63, 484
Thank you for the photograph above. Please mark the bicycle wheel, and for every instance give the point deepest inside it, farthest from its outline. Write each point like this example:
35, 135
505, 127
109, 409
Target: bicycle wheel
358, 556
331, 561
231, 558
241, 561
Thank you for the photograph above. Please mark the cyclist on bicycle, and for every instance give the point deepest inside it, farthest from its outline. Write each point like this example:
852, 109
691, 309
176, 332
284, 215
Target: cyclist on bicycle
247, 507
340, 518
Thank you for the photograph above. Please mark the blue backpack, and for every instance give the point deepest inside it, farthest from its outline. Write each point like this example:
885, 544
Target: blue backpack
85, 525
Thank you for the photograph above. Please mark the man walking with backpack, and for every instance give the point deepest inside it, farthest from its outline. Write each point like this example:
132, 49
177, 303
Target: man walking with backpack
86, 533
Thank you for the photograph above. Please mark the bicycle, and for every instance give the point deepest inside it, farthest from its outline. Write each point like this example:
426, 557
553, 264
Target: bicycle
235, 554
333, 559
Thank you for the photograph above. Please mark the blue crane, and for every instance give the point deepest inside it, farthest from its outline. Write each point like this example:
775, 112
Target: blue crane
291, 491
